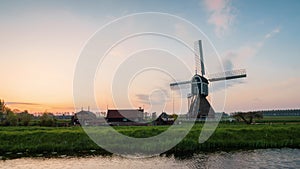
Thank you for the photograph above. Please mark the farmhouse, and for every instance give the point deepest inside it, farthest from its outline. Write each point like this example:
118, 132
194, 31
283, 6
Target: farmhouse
125, 116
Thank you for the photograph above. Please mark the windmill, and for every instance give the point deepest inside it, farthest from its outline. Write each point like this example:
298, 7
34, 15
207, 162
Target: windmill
199, 106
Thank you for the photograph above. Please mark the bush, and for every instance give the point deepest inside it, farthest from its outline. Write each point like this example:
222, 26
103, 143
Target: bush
47, 120
11, 119
24, 118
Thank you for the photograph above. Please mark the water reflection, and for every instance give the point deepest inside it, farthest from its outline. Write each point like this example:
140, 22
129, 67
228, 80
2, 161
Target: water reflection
264, 158
267, 158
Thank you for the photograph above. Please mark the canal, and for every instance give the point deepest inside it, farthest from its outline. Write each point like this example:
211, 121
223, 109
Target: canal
263, 158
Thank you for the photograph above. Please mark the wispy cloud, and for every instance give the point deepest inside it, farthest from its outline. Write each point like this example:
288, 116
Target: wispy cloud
143, 98
268, 36
272, 33
155, 98
245, 52
23, 103
239, 56
221, 15
41, 107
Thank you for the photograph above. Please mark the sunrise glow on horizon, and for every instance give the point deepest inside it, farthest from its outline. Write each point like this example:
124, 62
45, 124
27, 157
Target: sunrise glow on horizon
41, 42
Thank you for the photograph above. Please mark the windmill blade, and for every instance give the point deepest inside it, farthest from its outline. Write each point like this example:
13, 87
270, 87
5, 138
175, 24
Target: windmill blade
199, 55
233, 74
180, 83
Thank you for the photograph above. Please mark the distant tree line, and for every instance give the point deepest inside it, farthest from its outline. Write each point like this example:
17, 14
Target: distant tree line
11, 118
287, 112
249, 117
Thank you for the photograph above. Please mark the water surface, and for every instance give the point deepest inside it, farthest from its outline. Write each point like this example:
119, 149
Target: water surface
265, 158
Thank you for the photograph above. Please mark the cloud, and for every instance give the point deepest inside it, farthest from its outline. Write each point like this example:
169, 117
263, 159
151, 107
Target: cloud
143, 98
231, 57
222, 15
247, 51
227, 64
38, 107
272, 33
22, 103
239, 56
157, 97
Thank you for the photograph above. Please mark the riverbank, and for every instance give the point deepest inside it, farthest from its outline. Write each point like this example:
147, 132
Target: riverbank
72, 141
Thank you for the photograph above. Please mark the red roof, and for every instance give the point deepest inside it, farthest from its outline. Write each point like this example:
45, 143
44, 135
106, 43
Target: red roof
134, 113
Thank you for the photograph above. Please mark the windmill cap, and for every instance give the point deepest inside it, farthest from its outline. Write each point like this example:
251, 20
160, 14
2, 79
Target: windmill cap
197, 78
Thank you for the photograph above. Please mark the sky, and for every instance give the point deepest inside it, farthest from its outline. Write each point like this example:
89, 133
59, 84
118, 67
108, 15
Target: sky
42, 41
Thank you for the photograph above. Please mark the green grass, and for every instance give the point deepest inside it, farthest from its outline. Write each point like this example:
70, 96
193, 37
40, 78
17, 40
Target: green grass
36, 141
279, 119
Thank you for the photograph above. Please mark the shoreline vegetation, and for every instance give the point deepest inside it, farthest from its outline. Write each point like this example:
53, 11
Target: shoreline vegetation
23, 135
34, 141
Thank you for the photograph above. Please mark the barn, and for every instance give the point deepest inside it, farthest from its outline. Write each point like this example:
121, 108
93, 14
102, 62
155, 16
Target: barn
125, 116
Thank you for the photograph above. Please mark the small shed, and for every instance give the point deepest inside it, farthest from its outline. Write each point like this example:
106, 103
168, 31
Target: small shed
164, 119
87, 118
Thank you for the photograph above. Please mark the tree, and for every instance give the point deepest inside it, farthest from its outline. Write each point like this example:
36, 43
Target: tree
11, 118
2, 105
248, 117
24, 118
7, 116
74, 120
2, 110
47, 120
175, 116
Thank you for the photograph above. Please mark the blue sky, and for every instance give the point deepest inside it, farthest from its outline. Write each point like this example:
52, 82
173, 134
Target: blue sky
41, 41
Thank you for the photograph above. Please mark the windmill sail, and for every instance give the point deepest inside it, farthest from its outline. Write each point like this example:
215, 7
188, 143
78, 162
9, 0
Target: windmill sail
233, 74
180, 83
199, 61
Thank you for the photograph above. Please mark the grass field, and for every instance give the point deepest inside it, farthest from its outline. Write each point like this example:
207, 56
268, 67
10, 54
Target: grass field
279, 119
52, 141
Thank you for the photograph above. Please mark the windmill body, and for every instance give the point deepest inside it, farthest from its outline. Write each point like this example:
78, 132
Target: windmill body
199, 92
199, 106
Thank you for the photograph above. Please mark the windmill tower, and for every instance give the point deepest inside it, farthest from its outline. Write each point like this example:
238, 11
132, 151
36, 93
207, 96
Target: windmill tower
199, 106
